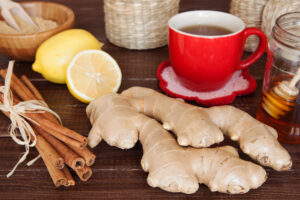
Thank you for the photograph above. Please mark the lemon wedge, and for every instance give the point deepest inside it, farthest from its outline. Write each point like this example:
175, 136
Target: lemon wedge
92, 73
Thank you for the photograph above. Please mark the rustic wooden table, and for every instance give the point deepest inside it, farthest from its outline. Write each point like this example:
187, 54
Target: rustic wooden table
117, 174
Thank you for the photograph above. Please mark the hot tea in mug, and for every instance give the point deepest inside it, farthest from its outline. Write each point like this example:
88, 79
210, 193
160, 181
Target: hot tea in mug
206, 47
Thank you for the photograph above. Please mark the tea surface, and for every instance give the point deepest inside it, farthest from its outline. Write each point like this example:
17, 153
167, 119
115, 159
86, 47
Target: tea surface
206, 30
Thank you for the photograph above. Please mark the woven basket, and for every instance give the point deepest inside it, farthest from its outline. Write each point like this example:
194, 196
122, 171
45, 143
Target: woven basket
138, 24
250, 11
275, 8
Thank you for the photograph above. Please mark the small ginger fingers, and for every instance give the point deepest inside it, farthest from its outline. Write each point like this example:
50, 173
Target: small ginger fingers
256, 139
106, 117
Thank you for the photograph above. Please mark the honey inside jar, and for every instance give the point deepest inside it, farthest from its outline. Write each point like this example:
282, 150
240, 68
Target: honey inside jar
280, 102
281, 114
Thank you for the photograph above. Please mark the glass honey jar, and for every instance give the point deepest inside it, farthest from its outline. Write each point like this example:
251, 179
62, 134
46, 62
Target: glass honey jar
280, 102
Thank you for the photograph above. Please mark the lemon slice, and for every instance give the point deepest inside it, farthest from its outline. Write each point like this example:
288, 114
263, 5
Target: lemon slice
92, 73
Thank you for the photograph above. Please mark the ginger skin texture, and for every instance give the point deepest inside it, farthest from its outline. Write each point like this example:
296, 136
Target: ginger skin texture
171, 167
193, 126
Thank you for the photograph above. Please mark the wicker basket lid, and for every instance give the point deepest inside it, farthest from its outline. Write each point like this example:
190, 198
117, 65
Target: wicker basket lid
275, 8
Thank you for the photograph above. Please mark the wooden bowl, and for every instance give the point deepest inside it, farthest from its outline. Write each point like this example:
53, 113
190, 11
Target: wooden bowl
23, 47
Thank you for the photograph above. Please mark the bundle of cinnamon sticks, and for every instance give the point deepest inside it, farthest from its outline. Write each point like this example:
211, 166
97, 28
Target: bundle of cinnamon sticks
57, 145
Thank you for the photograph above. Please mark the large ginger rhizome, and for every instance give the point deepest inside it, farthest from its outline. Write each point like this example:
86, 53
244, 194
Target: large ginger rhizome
122, 120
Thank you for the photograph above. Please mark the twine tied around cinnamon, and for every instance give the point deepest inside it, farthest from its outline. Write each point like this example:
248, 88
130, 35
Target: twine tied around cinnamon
19, 125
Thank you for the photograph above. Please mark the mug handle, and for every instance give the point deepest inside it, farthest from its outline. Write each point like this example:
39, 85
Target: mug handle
260, 49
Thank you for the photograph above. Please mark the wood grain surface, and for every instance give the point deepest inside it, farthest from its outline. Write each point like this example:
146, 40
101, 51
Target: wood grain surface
117, 174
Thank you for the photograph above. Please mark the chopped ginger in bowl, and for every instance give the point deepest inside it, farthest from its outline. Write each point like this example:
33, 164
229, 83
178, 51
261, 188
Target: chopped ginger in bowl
43, 24
51, 18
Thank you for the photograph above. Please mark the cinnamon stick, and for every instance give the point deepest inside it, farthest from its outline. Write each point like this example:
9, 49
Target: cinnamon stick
51, 159
53, 128
32, 88
86, 154
49, 125
25, 94
60, 132
55, 159
50, 152
17, 86
36, 95
57, 175
70, 180
85, 173
71, 159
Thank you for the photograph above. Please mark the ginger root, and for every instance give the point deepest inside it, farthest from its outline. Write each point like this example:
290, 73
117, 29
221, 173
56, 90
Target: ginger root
191, 125
171, 167
200, 127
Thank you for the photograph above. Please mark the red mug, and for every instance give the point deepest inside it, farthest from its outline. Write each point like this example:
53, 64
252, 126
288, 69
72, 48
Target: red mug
206, 63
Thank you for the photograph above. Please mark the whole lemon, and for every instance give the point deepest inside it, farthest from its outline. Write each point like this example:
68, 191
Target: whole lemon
54, 55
